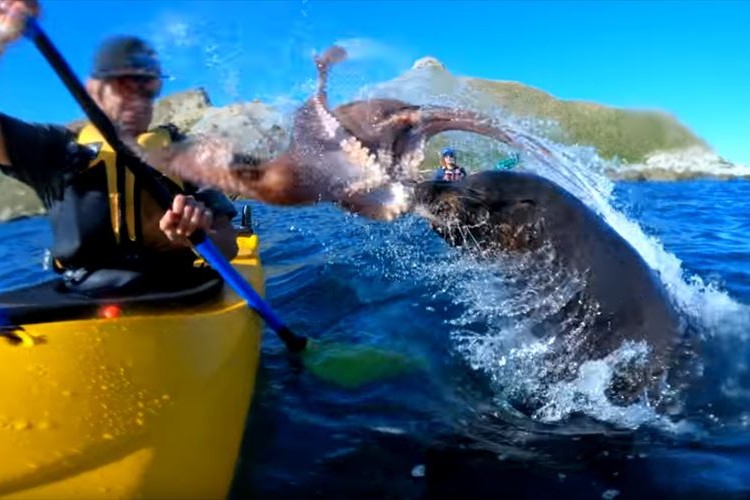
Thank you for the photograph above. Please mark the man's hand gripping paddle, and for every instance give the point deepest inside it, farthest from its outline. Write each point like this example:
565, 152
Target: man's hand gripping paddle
335, 364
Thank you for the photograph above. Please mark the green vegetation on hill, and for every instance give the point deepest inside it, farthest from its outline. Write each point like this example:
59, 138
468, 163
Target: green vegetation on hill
616, 133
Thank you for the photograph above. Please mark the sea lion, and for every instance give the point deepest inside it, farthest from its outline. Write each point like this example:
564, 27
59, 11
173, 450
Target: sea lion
363, 155
511, 215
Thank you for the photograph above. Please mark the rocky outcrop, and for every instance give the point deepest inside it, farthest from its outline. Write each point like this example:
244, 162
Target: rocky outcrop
18, 200
428, 62
685, 164
183, 109
253, 127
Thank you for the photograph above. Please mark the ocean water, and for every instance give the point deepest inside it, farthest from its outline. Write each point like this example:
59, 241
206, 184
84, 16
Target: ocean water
431, 419
441, 428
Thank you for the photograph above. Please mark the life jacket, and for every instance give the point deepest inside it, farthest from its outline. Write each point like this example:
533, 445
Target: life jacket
98, 222
453, 174
122, 185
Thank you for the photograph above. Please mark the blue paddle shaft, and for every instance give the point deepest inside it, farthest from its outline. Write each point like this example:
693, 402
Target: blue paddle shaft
211, 254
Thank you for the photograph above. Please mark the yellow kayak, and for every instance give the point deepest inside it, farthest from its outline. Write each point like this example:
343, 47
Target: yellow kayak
136, 402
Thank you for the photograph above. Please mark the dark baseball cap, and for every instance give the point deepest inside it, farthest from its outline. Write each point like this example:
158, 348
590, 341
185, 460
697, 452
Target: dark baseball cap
125, 55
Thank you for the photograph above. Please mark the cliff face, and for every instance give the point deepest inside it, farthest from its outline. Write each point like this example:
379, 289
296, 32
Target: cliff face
642, 145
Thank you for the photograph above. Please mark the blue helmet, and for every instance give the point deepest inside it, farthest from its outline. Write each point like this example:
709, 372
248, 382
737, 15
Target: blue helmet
448, 152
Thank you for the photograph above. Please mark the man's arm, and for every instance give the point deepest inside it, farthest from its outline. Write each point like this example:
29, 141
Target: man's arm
38, 154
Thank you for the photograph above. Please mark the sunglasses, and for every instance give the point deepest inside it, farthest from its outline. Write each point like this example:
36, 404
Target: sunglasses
140, 85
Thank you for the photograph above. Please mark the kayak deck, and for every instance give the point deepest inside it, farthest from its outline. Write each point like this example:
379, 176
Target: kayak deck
149, 404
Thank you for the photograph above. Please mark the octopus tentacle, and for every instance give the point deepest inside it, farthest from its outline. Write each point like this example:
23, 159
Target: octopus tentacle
360, 154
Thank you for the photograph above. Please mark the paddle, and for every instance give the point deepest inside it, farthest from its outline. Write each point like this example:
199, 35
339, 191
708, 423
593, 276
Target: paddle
202, 244
332, 363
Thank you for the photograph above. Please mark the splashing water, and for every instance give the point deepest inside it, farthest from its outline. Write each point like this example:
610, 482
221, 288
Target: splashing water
491, 332
494, 311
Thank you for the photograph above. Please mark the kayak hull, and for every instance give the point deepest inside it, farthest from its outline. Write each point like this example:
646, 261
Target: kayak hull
141, 405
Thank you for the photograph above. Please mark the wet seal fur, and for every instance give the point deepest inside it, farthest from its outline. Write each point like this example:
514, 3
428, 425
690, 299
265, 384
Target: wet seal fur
512, 213
363, 155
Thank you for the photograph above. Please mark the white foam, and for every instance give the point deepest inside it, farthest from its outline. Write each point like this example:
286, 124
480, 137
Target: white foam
506, 351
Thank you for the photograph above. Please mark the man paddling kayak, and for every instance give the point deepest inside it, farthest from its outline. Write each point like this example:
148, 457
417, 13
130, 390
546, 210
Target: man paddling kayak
109, 234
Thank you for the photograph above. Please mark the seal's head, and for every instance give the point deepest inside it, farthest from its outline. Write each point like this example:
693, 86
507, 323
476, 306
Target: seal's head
494, 210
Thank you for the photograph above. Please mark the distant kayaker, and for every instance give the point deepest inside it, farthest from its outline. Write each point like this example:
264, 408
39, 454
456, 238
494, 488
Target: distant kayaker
108, 232
449, 169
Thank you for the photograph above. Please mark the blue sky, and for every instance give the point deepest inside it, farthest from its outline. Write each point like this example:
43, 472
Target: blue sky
687, 58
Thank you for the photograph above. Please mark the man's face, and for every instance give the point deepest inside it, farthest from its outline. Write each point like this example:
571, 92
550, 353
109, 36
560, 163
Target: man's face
129, 101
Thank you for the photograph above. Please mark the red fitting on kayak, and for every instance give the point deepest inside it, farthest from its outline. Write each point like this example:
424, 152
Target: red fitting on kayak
110, 312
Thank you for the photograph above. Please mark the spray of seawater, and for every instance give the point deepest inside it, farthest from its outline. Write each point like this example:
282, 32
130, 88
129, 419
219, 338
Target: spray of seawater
502, 347
497, 307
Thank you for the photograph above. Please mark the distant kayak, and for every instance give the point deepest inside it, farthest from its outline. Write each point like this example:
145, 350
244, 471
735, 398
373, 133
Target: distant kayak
507, 163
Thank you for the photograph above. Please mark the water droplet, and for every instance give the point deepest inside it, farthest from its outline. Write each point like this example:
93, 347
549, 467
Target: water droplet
107, 436
610, 494
44, 425
418, 471
67, 394
21, 425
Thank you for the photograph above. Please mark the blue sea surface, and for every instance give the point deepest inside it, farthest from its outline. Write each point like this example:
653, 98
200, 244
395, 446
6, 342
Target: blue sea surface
425, 421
